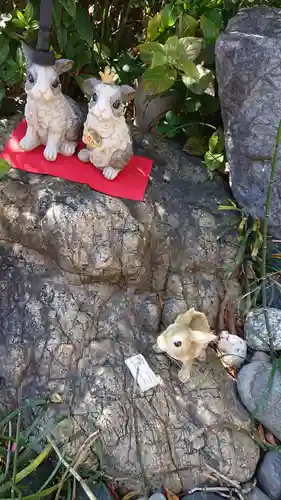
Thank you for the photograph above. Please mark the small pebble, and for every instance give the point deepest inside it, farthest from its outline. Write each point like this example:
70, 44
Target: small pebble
269, 474
232, 349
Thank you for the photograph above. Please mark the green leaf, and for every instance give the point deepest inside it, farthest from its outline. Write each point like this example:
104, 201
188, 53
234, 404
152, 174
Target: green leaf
191, 105
70, 7
172, 48
195, 145
57, 11
189, 25
28, 12
159, 79
147, 51
21, 17
216, 142
190, 69
4, 167
18, 23
62, 36
4, 52
84, 25
153, 27
204, 80
213, 161
2, 93
192, 46
159, 59
168, 16
211, 24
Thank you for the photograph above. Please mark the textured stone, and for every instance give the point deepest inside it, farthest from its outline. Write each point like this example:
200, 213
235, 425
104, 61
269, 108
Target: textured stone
202, 495
260, 391
269, 474
248, 61
85, 282
256, 332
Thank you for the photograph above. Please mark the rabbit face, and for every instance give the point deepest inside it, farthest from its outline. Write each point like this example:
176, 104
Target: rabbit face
183, 343
42, 82
106, 100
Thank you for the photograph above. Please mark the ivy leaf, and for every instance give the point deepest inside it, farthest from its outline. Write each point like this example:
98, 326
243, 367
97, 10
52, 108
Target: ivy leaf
211, 23
190, 69
192, 46
189, 25
159, 59
213, 161
70, 7
4, 51
203, 81
168, 16
153, 27
21, 17
159, 79
84, 25
4, 167
147, 51
172, 48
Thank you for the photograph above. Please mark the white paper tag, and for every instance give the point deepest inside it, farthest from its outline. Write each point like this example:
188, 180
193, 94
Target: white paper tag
142, 373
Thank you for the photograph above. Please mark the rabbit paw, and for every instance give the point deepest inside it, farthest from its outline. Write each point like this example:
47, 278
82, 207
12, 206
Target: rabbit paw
110, 173
28, 143
50, 153
84, 155
68, 148
184, 375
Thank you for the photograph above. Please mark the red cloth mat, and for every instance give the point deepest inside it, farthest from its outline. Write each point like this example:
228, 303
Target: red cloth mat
131, 183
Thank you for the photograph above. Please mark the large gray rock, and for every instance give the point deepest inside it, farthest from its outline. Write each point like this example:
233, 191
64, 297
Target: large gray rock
257, 494
248, 61
256, 332
259, 387
87, 281
269, 474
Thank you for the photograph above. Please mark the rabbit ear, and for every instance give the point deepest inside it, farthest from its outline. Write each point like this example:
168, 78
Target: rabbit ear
63, 65
27, 52
202, 338
128, 93
89, 85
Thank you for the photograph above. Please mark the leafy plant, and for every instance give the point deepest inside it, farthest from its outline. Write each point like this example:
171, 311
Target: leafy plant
179, 55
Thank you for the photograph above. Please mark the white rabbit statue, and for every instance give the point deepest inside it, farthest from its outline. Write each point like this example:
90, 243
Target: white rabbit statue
106, 133
53, 119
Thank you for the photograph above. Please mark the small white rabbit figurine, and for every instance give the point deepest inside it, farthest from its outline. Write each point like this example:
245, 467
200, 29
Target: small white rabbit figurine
106, 133
53, 119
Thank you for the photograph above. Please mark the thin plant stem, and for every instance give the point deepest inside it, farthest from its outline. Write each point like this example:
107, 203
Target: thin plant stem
8, 450
265, 233
16, 453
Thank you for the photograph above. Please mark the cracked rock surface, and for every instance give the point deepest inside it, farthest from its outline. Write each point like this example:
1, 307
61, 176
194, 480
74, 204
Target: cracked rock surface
86, 281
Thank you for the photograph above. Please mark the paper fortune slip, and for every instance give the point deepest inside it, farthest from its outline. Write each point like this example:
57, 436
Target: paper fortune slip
142, 373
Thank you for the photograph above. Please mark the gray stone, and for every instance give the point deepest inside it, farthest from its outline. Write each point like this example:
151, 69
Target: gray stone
248, 62
257, 494
202, 495
259, 388
256, 332
85, 282
260, 356
269, 474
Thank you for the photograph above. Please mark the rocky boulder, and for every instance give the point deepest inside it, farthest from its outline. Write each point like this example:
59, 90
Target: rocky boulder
87, 281
248, 60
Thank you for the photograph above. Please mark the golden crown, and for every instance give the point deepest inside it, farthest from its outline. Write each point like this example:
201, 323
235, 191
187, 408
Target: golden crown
108, 76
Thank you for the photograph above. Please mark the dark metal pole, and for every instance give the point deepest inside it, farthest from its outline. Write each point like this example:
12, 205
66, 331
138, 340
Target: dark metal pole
42, 54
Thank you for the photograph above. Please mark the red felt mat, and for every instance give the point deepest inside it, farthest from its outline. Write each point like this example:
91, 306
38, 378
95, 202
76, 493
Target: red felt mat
130, 183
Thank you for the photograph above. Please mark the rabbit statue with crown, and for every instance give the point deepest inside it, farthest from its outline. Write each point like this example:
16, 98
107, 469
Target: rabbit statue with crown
106, 133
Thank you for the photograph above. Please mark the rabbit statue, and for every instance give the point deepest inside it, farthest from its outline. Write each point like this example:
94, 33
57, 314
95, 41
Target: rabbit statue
53, 119
186, 340
106, 133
